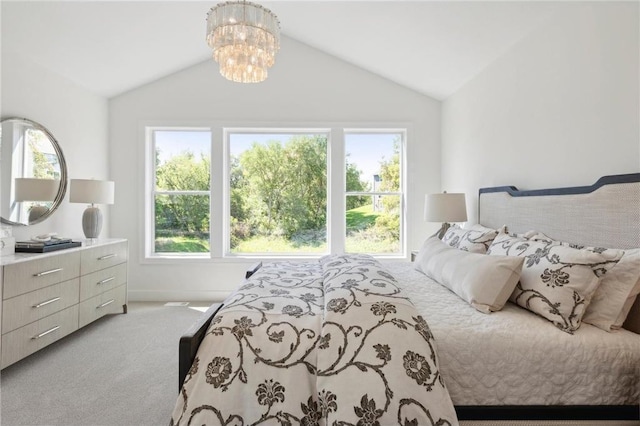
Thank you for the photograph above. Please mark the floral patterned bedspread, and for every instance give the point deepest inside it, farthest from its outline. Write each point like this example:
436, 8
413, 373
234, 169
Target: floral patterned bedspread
332, 342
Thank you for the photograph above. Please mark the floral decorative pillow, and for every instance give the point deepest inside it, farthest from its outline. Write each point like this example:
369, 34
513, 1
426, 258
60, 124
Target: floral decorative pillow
618, 289
475, 239
557, 282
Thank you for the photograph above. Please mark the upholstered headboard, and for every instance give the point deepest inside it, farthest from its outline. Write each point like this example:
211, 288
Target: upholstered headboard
605, 214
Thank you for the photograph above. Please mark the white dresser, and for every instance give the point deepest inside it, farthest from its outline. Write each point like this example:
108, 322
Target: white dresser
49, 295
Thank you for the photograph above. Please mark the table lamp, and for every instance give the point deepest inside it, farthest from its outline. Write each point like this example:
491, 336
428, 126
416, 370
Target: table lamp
90, 191
445, 207
35, 189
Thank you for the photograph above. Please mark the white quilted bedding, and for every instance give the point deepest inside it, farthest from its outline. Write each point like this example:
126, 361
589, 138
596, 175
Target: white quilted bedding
513, 357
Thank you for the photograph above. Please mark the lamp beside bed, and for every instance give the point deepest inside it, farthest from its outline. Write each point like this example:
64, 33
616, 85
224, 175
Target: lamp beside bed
446, 208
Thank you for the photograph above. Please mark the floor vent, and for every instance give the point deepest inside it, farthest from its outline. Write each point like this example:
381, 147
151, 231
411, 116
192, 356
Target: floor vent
176, 304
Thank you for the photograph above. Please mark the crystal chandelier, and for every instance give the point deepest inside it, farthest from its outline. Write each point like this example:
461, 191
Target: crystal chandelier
244, 37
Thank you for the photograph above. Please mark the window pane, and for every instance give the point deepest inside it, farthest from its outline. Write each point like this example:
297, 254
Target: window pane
372, 162
42, 160
373, 224
278, 193
182, 223
182, 160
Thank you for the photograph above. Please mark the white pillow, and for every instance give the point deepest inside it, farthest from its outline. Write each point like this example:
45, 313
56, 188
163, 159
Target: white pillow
557, 282
475, 239
618, 289
485, 282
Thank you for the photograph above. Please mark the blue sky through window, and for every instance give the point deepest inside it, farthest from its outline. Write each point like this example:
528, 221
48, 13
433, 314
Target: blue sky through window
365, 150
173, 142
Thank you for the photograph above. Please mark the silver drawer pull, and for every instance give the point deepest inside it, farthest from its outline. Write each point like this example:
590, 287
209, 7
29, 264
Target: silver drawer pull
44, 333
106, 280
41, 304
51, 271
106, 304
107, 256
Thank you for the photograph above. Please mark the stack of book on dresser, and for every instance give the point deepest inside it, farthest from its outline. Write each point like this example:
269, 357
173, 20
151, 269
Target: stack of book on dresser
52, 244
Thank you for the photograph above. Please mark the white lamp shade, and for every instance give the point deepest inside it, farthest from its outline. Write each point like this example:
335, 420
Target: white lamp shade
34, 189
91, 191
445, 207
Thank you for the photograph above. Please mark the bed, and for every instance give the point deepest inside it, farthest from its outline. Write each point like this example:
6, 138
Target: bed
512, 364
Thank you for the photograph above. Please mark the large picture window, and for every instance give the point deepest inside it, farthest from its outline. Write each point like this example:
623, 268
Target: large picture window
277, 192
216, 192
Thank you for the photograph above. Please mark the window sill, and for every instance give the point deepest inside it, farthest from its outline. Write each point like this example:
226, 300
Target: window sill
248, 258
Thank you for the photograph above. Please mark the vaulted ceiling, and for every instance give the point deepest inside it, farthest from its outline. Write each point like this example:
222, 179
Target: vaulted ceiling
432, 47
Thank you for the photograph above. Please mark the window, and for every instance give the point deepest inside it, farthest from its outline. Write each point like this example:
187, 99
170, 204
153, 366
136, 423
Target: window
41, 160
180, 191
214, 192
277, 192
373, 192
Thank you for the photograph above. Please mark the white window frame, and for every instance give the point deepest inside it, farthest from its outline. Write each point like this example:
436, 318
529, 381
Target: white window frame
219, 190
401, 190
151, 192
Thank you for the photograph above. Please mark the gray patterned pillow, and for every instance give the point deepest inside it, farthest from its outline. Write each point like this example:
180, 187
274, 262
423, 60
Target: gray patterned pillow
475, 239
557, 282
619, 288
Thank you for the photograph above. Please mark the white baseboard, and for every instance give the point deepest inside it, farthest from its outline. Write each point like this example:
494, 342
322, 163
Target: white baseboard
176, 296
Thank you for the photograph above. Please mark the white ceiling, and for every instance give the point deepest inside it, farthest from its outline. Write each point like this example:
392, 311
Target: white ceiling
433, 47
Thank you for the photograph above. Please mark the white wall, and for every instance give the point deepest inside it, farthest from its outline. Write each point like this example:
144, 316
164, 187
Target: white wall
304, 86
77, 119
561, 108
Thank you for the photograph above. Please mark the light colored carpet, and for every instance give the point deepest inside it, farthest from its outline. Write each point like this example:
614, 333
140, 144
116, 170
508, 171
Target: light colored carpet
120, 370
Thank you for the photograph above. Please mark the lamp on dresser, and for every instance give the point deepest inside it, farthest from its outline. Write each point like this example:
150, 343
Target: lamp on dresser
36, 190
90, 191
445, 207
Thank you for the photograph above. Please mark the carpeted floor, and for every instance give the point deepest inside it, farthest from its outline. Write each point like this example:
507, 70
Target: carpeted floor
120, 370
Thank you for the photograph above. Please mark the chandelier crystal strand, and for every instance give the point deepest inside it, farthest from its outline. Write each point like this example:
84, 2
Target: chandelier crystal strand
245, 38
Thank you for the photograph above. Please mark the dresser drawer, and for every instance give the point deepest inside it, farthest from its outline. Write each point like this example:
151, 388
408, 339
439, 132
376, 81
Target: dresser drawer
100, 257
24, 277
109, 302
32, 337
30, 307
105, 279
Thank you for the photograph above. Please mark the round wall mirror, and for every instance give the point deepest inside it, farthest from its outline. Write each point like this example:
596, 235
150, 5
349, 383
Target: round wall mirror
33, 172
